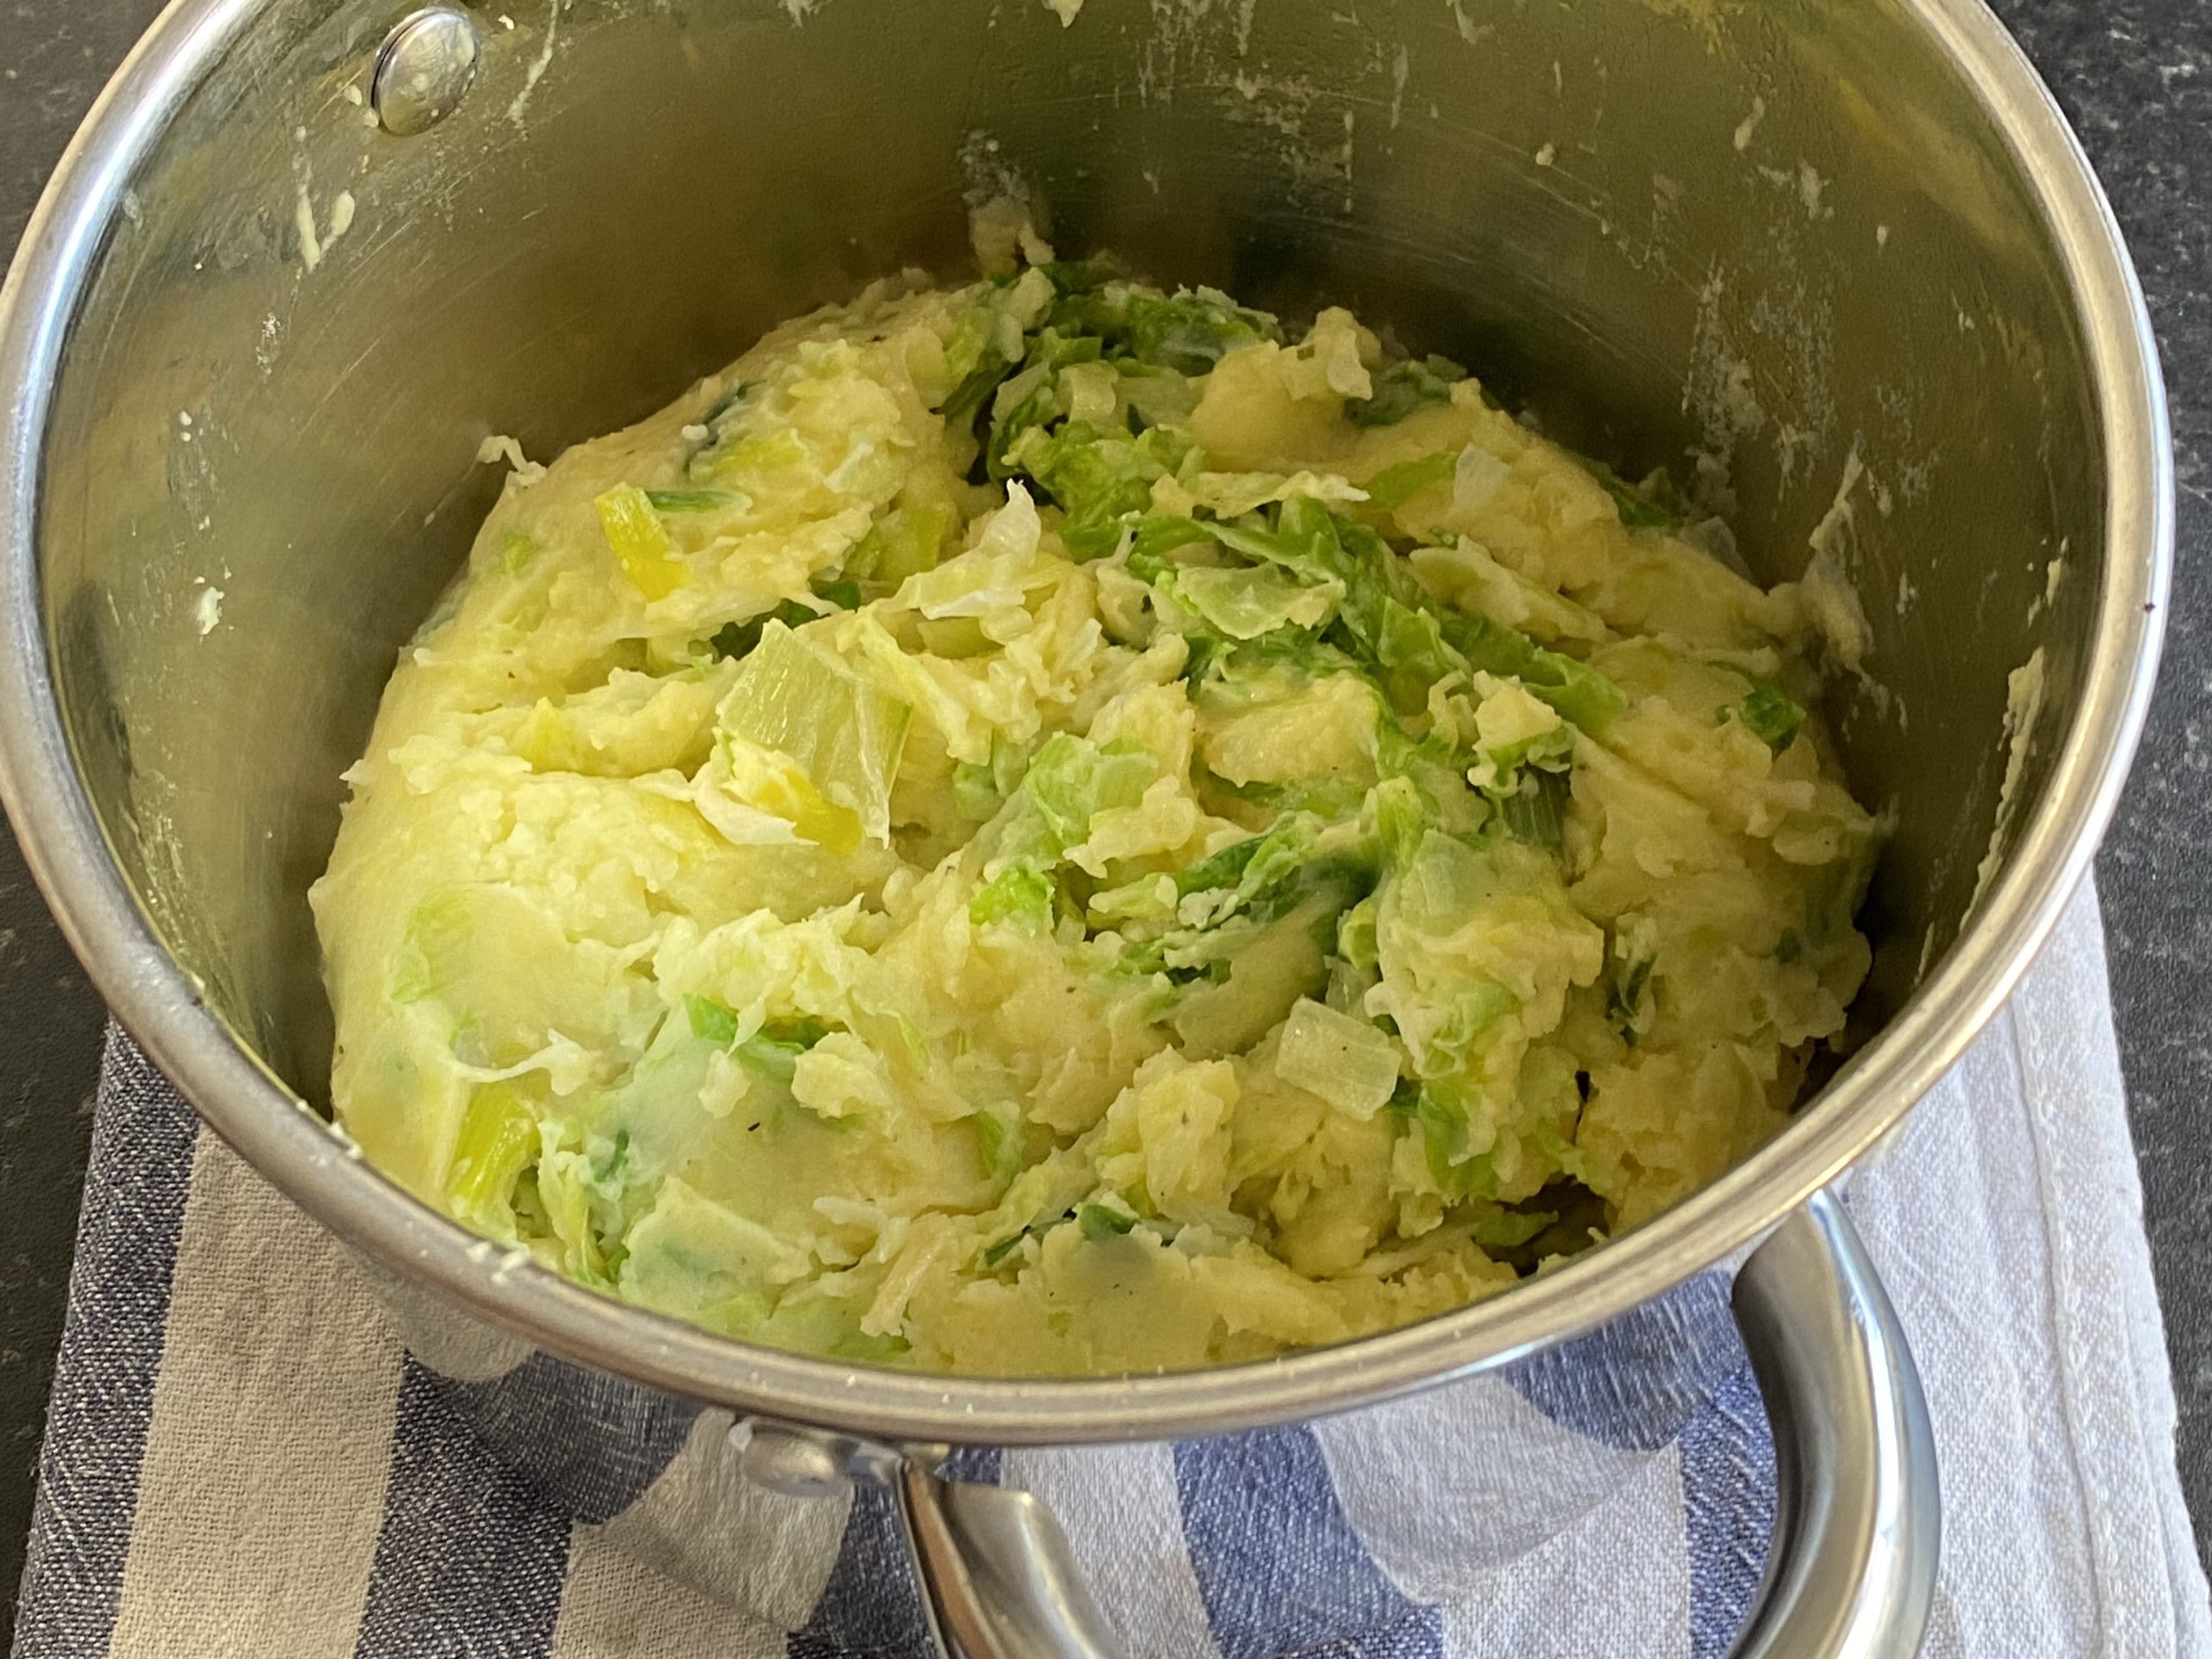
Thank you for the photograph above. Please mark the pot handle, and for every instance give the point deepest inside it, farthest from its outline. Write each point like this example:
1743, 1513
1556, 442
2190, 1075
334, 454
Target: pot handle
1850, 1573
1850, 1570
998, 1581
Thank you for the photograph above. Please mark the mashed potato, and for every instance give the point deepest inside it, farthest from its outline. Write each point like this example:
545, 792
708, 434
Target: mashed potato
1047, 827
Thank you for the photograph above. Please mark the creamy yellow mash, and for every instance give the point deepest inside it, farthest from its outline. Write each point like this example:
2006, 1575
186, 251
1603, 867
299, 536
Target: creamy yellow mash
1048, 827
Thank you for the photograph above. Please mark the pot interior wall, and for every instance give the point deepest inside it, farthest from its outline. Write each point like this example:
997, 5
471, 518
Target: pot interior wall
1773, 244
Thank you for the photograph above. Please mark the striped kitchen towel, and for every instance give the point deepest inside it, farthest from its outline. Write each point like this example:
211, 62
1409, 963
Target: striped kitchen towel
241, 1457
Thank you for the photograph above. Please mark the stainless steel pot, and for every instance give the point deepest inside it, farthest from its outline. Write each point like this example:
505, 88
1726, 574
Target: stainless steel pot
1844, 250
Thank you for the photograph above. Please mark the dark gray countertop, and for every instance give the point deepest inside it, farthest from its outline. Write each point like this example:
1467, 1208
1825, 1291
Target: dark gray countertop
2136, 78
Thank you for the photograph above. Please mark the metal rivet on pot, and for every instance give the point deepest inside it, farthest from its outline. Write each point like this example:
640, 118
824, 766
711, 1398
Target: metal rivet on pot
792, 1462
423, 70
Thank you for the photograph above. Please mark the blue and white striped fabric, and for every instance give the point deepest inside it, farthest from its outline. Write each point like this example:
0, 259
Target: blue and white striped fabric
243, 1457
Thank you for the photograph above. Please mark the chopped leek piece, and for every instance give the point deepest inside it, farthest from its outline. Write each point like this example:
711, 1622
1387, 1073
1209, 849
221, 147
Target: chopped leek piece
640, 541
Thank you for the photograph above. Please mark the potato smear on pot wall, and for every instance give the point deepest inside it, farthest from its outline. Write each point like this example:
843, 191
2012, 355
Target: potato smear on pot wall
1052, 827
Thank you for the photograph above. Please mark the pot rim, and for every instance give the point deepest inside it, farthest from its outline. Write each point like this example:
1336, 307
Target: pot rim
157, 1002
